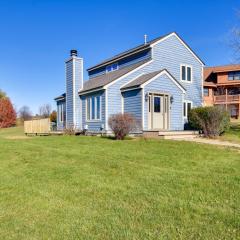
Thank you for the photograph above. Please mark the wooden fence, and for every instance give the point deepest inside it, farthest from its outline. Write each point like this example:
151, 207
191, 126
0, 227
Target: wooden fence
37, 127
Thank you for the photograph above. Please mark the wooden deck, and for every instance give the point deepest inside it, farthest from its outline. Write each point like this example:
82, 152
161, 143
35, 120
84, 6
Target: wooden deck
170, 134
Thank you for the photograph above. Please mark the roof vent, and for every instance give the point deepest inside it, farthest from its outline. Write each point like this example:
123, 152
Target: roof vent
73, 53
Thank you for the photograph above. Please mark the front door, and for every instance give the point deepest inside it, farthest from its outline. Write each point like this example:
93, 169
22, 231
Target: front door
158, 114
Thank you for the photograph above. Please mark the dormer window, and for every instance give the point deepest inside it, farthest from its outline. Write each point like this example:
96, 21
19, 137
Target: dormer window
112, 67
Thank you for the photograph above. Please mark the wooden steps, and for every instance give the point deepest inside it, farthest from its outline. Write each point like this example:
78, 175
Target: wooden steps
171, 134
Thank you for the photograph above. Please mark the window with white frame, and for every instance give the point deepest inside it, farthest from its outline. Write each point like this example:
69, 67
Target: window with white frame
187, 106
112, 67
186, 73
61, 112
93, 108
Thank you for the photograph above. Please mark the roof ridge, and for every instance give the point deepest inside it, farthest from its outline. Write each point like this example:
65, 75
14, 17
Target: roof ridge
225, 65
130, 51
104, 79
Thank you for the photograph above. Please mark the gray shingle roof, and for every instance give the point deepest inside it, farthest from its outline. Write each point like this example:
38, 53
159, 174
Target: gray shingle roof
130, 51
144, 78
135, 49
61, 97
102, 80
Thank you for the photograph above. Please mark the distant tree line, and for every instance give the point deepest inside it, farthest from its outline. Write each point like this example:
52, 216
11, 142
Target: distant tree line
10, 117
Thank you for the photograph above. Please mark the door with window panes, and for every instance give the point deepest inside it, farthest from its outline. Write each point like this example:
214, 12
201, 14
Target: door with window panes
158, 114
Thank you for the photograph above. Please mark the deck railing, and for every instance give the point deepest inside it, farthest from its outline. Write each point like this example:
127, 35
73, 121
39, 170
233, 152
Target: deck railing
222, 99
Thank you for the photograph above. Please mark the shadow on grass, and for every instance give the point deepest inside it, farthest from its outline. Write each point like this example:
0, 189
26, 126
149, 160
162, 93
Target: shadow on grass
114, 139
235, 127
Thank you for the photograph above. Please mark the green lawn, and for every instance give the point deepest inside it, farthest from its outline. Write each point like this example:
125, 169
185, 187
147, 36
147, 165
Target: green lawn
233, 134
67, 187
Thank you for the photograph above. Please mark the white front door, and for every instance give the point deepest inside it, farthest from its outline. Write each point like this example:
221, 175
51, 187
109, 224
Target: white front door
158, 114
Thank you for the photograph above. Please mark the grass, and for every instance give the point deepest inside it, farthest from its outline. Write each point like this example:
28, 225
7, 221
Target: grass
95, 188
233, 134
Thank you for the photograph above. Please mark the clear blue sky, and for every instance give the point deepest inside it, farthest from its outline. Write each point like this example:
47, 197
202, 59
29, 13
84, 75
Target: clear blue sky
36, 36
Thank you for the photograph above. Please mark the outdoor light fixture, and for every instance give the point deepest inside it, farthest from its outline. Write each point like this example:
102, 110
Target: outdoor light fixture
146, 97
171, 99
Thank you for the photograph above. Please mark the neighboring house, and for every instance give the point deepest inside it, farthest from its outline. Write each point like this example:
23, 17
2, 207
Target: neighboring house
158, 82
222, 88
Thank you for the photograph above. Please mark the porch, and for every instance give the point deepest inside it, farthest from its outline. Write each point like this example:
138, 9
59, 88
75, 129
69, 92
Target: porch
170, 134
230, 102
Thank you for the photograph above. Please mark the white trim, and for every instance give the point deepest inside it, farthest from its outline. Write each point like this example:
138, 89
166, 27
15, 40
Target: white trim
202, 87
125, 84
170, 111
81, 59
66, 93
186, 102
122, 103
143, 109
73, 57
60, 99
183, 119
186, 66
90, 91
127, 74
110, 65
95, 108
74, 82
182, 42
130, 89
106, 110
160, 74
60, 113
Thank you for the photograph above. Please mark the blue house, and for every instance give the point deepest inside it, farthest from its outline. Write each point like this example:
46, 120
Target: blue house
158, 82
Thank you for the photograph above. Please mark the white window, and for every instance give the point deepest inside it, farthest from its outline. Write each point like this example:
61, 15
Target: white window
187, 106
186, 73
112, 67
93, 108
61, 112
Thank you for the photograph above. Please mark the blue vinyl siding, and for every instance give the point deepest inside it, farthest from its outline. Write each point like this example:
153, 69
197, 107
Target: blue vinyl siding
96, 125
78, 86
146, 54
166, 57
69, 94
72, 89
165, 85
169, 54
133, 103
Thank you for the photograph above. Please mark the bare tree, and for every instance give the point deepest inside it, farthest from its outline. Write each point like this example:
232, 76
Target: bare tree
45, 110
24, 113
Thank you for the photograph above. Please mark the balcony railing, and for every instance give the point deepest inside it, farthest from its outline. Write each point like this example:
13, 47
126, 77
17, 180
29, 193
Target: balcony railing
223, 99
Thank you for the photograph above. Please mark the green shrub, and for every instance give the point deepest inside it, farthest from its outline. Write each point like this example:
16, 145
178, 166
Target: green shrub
213, 121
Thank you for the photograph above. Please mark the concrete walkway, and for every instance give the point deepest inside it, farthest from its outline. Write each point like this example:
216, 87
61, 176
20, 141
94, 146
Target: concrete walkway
212, 142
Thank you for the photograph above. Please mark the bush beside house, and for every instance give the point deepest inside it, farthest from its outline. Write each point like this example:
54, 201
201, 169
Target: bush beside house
213, 121
122, 124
